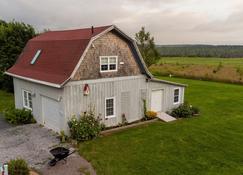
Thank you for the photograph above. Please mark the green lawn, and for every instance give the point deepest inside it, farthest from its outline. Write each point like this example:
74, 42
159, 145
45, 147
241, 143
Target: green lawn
6, 100
199, 60
210, 144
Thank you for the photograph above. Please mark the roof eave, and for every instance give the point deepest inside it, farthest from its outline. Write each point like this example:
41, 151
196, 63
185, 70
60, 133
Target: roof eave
167, 82
36, 81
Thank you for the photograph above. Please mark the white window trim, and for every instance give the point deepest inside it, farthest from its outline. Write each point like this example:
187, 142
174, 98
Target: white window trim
114, 106
178, 96
109, 64
28, 106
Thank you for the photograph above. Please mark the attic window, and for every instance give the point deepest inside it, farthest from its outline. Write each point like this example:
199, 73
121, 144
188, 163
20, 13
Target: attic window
35, 57
108, 63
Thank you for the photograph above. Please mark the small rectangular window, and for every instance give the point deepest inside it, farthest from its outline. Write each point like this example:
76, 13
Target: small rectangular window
27, 100
176, 96
108, 63
110, 107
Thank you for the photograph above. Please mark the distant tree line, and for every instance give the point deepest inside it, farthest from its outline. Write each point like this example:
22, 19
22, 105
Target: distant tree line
220, 51
13, 38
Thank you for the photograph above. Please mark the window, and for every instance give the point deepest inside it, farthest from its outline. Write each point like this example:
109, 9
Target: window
109, 107
176, 96
27, 100
37, 54
108, 63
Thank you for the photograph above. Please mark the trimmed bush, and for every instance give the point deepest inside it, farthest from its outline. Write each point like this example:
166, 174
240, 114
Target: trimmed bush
86, 127
151, 114
19, 116
184, 111
18, 167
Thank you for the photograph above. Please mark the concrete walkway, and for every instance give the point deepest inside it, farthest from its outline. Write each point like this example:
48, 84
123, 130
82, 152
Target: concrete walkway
165, 117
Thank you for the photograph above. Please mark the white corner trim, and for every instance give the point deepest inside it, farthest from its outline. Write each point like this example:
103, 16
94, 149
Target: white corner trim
34, 81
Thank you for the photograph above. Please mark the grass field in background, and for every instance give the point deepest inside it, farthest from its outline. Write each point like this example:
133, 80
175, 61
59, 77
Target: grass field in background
6, 100
203, 61
216, 69
209, 144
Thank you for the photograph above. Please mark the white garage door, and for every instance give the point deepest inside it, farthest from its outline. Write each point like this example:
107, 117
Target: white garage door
156, 100
50, 113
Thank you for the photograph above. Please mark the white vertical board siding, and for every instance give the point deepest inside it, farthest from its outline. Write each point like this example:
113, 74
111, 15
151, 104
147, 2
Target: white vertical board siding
52, 118
128, 93
37, 92
168, 102
99, 90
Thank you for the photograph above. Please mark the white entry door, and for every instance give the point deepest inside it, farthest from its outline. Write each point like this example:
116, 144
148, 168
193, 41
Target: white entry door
157, 100
50, 113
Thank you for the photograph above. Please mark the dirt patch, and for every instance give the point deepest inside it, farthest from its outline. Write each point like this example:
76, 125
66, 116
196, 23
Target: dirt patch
74, 165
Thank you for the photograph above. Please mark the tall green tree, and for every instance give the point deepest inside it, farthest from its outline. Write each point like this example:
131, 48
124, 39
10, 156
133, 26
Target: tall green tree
13, 38
147, 47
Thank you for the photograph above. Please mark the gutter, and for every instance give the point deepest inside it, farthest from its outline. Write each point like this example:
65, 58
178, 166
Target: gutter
167, 82
36, 81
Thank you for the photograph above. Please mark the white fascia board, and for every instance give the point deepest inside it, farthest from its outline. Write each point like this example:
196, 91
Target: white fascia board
34, 80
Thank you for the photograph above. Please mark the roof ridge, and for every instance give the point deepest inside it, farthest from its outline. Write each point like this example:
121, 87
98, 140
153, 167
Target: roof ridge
68, 30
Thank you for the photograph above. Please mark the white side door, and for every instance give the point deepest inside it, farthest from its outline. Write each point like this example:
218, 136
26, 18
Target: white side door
50, 113
157, 100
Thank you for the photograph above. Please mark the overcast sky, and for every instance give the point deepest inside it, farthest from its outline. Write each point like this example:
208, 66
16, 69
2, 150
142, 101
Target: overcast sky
169, 21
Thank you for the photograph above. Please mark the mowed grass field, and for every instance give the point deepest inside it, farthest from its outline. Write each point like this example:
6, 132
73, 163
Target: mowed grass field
6, 100
211, 144
215, 69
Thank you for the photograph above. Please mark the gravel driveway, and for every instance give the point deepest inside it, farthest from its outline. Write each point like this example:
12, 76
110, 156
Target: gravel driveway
30, 142
3, 123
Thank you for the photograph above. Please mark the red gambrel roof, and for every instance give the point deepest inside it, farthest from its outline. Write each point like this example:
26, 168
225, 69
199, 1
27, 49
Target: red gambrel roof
60, 53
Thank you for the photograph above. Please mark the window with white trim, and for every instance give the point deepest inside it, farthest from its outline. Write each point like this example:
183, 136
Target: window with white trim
27, 100
176, 96
108, 63
110, 107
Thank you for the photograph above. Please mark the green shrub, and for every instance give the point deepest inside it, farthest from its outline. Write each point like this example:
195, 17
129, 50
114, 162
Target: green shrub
19, 116
18, 167
86, 127
184, 111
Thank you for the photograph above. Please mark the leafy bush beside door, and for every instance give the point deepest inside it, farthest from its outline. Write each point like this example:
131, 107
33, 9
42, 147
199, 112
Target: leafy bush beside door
19, 116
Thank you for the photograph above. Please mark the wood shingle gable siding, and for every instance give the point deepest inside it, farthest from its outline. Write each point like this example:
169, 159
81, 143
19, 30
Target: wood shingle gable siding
110, 44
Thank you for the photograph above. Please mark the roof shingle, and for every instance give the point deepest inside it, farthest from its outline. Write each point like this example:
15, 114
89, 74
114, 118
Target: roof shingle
60, 53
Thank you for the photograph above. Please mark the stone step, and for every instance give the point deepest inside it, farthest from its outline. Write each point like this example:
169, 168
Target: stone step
165, 117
